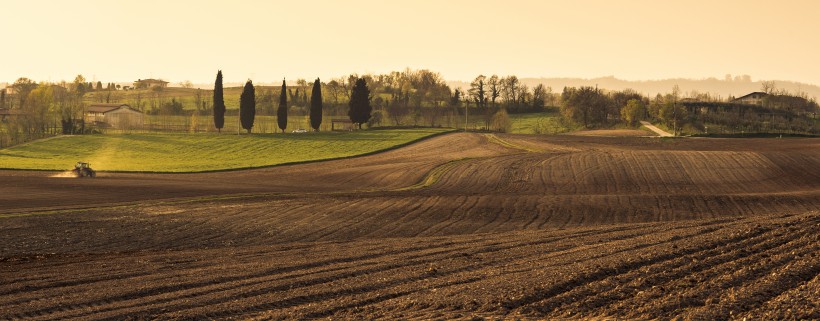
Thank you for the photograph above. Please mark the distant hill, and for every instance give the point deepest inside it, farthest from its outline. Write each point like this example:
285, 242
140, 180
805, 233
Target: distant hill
714, 86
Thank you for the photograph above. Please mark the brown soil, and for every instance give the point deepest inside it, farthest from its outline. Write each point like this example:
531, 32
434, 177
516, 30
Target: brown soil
458, 226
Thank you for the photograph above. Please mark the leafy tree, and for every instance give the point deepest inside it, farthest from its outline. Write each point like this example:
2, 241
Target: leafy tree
247, 106
38, 104
585, 105
672, 114
501, 121
22, 87
397, 107
375, 119
264, 102
316, 105
620, 100
455, 99
3, 99
539, 97
219, 103
633, 111
99, 85
282, 112
172, 107
360, 109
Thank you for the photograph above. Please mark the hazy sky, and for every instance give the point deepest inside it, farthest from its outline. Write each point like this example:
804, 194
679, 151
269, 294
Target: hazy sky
114, 40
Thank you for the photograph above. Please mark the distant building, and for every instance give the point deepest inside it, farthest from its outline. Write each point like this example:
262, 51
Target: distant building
150, 83
118, 116
755, 98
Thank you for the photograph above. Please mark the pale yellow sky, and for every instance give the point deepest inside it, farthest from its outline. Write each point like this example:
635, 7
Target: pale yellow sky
113, 40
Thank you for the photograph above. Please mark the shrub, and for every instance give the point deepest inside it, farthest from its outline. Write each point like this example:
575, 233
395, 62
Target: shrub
501, 121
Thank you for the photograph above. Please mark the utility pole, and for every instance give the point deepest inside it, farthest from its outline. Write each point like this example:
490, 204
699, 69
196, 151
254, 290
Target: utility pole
467, 104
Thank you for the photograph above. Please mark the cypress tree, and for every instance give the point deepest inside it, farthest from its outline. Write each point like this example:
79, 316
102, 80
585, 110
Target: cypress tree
3, 99
247, 106
282, 111
360, 109
219, 103
316, 105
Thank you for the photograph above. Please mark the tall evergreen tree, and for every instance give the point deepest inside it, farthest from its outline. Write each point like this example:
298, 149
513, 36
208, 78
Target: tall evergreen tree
316, 105
219, 103
3, 99
247, 106
282, 111
360, 109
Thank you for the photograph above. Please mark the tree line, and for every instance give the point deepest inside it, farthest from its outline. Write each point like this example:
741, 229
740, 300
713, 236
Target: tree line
36, 110
778, 111
359, 110
404, 98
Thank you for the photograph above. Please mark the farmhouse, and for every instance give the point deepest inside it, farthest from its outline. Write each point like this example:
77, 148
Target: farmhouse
119, 116
150, 83
755, 98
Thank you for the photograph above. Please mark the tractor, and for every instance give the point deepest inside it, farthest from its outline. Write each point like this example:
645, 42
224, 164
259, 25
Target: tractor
82, 169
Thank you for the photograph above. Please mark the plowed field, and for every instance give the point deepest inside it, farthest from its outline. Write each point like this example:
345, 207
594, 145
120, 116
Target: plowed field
457, 226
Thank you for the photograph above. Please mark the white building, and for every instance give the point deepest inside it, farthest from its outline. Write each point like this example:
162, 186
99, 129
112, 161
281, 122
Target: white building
119, 116
755, 98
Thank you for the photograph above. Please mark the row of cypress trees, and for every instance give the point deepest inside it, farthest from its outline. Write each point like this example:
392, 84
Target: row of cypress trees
359, 111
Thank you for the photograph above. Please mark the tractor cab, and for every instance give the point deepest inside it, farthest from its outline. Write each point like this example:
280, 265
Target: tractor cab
83, 169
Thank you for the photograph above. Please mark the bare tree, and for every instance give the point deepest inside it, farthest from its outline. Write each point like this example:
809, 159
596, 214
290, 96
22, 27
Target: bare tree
495, 90
478, 92
768, 86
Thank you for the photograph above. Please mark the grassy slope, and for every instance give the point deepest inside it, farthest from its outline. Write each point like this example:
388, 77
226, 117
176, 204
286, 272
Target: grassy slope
548, 121
185, 95
199, 152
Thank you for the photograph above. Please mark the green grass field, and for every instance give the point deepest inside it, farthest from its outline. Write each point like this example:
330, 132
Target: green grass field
199, 152
184, 95
538, 123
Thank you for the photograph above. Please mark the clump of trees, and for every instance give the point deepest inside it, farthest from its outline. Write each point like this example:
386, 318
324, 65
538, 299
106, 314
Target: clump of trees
36, 110
634, 111
585, 105
407, 98
777, 112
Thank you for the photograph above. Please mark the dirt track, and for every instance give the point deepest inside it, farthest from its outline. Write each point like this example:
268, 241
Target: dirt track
460, 225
